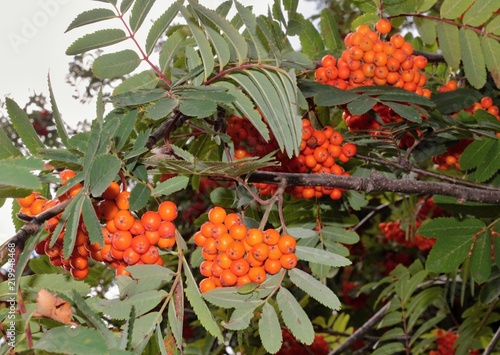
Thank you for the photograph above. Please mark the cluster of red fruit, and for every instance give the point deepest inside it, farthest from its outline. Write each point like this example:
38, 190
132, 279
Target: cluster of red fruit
393, 232
446, 344
237, 255
320, 152
369, 60
127, 240
293, 347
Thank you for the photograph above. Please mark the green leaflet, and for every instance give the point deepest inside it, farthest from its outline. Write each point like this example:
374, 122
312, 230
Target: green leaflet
199, 306
91, 16
480, 261
98, 39
449, 43
104, 169
472, 58
17, 173
91, 222
170, 186
23, 127
361, 105
160, 26
80, 340
61, 129
494, 26
139, 196
295, 317
320, 256
452, 9
480, 12
317, 290
330, 30
270, 329
310, 39
115, 65
74, 210
139, 12
240, 318
453, 241
491, 52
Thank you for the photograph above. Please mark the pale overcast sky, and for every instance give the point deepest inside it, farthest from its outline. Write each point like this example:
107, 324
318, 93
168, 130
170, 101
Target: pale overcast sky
33, 42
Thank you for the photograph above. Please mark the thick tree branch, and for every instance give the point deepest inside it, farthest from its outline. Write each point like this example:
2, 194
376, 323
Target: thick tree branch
378, 183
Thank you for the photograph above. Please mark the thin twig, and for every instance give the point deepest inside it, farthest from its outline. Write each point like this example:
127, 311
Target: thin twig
360, 332
491, 346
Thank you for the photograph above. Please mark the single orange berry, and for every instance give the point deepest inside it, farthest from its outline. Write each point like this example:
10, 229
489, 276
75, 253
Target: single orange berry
383, 26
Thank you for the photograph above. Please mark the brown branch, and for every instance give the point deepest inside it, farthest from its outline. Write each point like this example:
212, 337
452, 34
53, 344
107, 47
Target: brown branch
31, 227
453, 23
378, 183
431, 57
442, 177
360, 332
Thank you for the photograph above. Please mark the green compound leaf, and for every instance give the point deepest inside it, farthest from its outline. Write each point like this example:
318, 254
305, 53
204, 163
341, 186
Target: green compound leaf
160, 26
491, 52
115, 65
270, 329
168, 187
480, 12
72, 340
480, 261
449, 43
317, 290
139, 12
472, 58
453, 241
320, 256
452, 9
91, 16
22, 124
98, 39
199, 306
295, 317
103, 170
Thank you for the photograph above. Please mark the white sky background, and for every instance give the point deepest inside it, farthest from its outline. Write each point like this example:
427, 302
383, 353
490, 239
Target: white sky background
33, 43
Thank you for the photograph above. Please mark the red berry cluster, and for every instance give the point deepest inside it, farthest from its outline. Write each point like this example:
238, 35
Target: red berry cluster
353, 301
127, 240
446, 343
320, 152
237, 255
450, 158
370, 60
292, 347
393, 232
367, 122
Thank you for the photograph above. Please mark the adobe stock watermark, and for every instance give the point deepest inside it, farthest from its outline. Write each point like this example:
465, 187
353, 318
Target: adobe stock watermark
30, 26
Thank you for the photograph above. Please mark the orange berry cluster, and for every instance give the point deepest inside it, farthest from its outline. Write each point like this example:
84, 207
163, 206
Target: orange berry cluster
320, 152
236, 255
127, 240
369, 60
